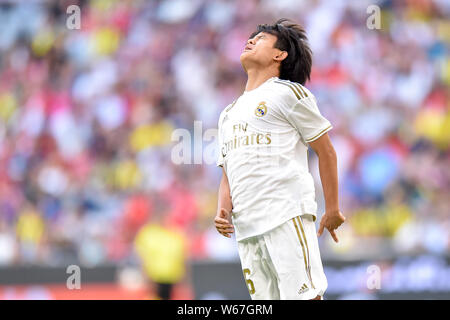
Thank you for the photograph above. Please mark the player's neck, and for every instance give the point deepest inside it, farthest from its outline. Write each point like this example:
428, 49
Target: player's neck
258, 77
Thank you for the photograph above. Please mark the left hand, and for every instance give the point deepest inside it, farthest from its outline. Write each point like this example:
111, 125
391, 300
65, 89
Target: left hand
223, 223
331, 221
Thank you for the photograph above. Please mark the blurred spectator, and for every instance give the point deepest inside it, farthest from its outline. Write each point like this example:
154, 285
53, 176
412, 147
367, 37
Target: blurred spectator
161, 248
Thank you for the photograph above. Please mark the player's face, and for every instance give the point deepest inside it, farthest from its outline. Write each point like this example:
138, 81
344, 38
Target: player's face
259, 50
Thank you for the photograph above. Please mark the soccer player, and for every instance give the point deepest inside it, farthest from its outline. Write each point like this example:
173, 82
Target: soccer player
266, 195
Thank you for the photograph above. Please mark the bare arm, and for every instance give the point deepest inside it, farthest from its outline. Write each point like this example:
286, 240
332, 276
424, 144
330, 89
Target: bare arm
224, 194
224, 207
332, 218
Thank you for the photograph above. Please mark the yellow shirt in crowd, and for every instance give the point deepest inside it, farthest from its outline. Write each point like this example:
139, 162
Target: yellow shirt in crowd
162, 252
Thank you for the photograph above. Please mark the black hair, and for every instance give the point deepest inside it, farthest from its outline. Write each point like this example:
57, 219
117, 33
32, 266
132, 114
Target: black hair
291, 37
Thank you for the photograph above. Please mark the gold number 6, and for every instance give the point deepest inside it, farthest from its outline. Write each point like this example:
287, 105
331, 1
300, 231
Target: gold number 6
250, 285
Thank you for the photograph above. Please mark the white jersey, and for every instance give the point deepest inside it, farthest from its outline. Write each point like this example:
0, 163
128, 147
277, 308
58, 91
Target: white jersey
263, 143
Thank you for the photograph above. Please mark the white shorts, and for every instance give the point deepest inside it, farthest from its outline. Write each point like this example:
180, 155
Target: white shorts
284, 263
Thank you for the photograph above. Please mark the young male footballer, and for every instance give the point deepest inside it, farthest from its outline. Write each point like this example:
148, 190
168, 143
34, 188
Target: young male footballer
266, 195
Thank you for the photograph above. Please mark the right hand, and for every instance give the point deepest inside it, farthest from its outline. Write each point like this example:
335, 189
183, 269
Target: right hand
331, 221
223, 223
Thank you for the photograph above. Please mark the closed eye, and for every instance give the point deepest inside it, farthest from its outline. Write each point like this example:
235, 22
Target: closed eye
259, 36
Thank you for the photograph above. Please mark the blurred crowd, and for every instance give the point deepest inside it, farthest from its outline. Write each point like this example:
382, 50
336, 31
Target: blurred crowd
87, 119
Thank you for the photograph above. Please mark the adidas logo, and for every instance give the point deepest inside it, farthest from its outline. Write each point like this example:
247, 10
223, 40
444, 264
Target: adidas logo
303, 289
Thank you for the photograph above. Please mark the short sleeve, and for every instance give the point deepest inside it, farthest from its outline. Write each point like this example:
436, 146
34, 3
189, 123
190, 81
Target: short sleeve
304, 115
219, 161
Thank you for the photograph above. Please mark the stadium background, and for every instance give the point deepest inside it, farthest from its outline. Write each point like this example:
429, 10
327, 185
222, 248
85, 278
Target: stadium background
86, 146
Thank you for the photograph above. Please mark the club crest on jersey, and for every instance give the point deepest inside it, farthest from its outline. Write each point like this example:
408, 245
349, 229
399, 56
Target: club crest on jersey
261, 109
